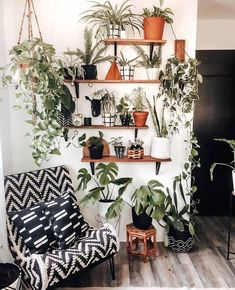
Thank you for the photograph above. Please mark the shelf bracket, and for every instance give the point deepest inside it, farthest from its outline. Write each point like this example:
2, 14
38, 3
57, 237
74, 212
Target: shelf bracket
158, 164
92, 165
76, 85
136, 133
115, 48
151, 50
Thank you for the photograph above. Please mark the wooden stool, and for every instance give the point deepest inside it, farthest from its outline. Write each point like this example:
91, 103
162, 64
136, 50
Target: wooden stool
146, 237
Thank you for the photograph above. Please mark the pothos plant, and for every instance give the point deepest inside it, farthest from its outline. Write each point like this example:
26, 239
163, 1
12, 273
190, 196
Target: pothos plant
179, 90
40, 91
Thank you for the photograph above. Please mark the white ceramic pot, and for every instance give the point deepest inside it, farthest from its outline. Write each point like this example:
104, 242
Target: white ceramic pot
109, 119
233, 176
160, 148
114, 31
127, 72
152, 73
103, 207
123, 34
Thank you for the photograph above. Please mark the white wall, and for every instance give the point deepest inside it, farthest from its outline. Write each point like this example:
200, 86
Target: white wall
59, 24
215, 34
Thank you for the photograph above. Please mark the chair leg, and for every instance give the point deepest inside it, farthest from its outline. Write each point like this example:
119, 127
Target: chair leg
112, 267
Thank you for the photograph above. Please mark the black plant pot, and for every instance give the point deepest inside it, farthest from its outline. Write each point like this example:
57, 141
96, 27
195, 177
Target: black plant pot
96, 151
142, 221
9, 273
125, 119
90, 71
120, 151
180, 241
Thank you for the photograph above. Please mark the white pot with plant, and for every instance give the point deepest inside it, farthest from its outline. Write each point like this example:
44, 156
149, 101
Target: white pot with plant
231, 165
151, 62
109, 109
127, 67
160, 147
104, 182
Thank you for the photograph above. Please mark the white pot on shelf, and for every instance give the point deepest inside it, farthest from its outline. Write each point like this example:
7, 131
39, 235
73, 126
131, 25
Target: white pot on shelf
152, 73
160, 148
103, 206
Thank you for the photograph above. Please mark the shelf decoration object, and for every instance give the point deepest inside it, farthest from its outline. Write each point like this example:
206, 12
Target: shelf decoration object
113, 73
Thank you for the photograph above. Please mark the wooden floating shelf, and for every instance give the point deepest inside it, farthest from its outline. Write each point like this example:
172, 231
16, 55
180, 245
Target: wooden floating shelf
128, 41
105, 127
112, 158
114, 81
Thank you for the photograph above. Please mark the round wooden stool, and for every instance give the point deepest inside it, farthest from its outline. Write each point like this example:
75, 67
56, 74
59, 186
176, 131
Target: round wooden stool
141, 242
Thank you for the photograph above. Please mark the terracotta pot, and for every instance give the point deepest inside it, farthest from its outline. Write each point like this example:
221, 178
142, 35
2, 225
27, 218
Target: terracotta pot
153, 27
140, 118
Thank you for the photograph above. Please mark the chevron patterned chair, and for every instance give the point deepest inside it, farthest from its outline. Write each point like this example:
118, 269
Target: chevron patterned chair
26, 195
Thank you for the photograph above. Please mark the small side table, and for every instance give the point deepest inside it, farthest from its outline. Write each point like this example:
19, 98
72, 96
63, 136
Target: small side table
141, 242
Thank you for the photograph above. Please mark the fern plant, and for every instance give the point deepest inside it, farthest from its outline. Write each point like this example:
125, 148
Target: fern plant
92, 54
151, 61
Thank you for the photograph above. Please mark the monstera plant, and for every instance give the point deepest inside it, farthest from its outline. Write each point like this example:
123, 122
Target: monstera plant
40, 91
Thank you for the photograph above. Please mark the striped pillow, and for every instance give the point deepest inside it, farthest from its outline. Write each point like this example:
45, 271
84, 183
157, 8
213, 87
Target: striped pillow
66, 220
34, 228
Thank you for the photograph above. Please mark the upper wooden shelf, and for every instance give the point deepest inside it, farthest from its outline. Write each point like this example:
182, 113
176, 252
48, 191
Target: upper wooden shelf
106, 127
128, 41
114, 81
146, 158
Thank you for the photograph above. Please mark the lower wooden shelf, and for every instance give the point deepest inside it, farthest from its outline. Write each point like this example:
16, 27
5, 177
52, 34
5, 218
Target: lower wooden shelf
146, 158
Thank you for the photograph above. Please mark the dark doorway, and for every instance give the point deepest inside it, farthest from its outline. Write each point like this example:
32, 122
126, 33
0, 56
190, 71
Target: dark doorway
215, 118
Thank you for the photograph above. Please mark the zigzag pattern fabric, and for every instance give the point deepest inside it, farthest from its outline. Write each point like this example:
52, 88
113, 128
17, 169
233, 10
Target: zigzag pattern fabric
43, 270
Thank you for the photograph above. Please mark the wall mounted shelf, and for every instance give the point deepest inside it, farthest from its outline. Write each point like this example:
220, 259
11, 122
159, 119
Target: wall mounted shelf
114, 81
129, 41
101, 127
146, 158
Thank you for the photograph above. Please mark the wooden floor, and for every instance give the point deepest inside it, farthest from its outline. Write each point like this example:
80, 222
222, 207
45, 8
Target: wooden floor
206, 266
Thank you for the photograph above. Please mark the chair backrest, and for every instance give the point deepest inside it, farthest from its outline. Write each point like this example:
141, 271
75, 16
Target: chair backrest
25, 189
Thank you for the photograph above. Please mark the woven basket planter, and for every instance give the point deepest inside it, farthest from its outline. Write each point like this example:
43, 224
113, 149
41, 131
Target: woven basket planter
135, 154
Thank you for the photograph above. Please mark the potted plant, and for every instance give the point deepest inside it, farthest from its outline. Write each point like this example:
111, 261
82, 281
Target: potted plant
92, 55
109, 20
95, 146
108, 109
152, 62
181, 205
123, 109
154, 21
127, 69
39, 83
119, 148
147, 203
179, 90
135, 149
231, 165
160, 147
105, 182
138, 99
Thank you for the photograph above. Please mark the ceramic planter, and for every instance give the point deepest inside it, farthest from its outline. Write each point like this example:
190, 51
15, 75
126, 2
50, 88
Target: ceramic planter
127, 72
142, 221
103, 206
108, 119
125, 119
140, 118
160, 148
96, 151
152, 73
180, 241
90, 71
114, 31
153, 27
119, 151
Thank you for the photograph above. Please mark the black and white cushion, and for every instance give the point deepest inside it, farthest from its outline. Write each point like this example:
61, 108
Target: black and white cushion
66, 220
34, 228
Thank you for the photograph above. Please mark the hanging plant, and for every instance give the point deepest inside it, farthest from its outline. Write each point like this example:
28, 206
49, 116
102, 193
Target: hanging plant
179, 89
40, 91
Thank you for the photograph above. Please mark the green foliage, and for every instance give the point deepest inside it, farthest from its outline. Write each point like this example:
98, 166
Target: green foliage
138, 99
105, 181
116, 141
124, 105
149, 61
179, 89
231, 165
34, 71
92, 54
102, 15
95, 140
123, 61
159, 12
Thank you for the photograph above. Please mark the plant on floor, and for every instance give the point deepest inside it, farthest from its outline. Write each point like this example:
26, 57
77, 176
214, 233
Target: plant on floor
105, 182
104, 16
40, 91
